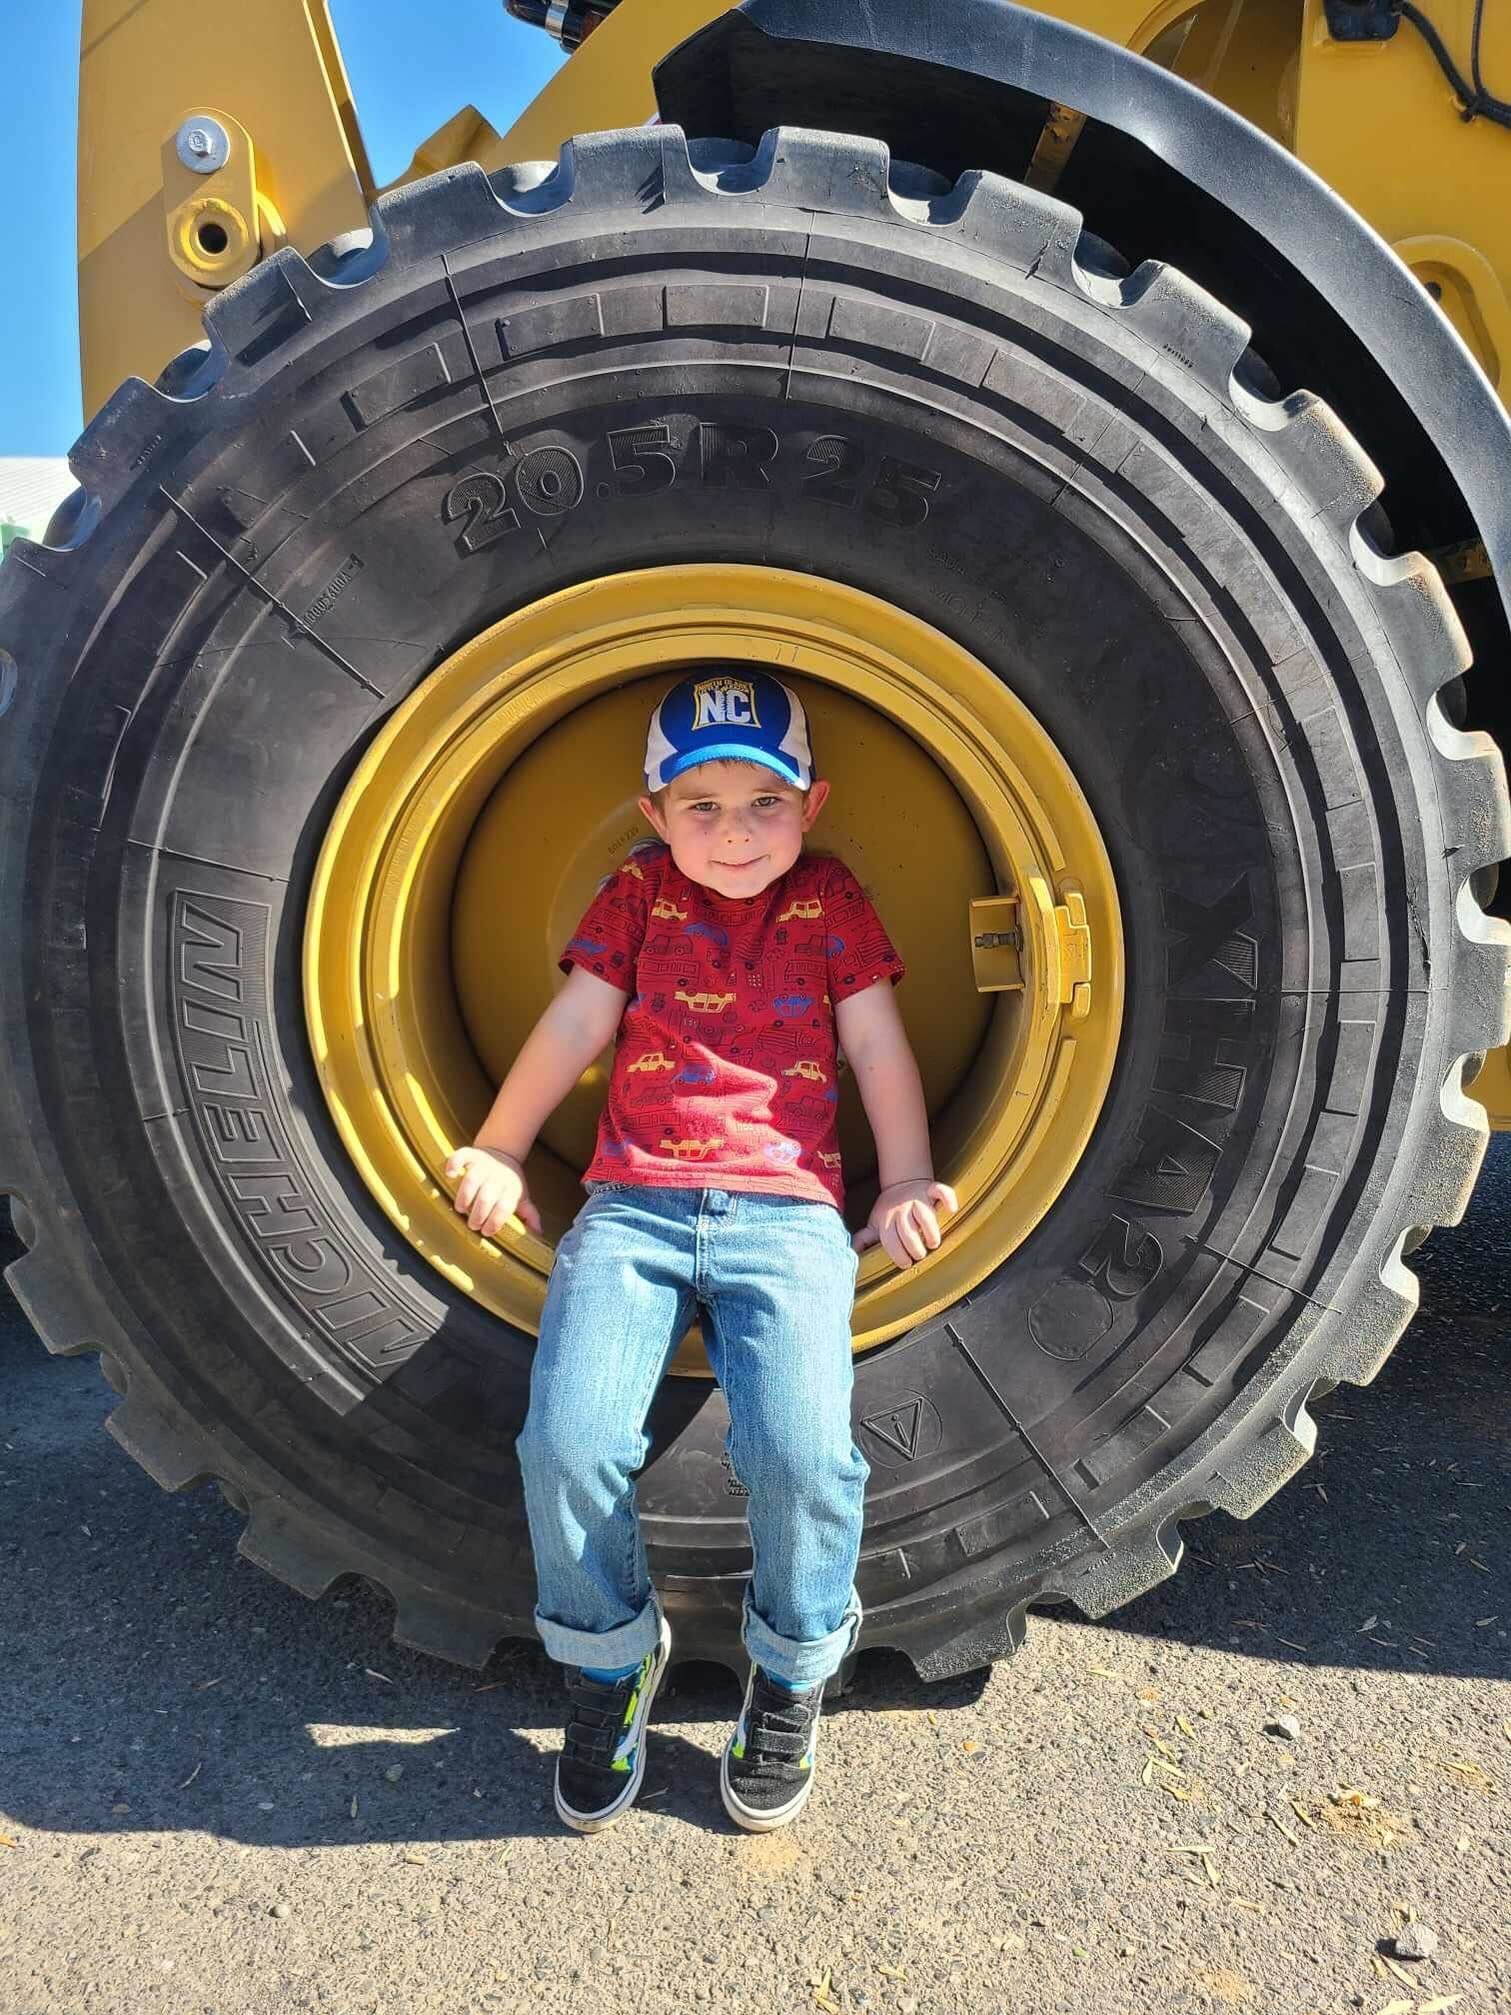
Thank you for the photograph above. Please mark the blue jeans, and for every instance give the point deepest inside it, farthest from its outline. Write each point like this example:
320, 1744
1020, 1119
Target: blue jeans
775, 1277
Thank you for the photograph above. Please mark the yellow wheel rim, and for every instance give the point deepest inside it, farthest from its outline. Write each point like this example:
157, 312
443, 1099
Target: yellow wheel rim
439, 893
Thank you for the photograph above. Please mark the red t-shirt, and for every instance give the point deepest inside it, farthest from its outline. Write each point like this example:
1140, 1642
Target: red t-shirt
724, 1065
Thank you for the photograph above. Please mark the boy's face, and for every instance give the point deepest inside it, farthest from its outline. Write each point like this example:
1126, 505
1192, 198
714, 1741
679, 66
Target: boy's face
734, 827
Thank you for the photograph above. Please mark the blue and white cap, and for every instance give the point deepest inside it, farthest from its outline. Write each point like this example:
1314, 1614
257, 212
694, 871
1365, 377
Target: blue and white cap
713, 715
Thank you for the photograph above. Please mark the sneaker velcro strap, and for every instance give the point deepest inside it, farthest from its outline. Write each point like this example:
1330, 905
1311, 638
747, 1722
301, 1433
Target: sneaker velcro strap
597, 1717
777, 1741
599, 1697
588, 1735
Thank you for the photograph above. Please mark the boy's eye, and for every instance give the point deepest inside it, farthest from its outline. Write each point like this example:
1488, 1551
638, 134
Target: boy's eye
707, 805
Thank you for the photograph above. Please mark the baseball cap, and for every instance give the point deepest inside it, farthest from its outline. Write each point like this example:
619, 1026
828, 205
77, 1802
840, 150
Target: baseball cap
714, 714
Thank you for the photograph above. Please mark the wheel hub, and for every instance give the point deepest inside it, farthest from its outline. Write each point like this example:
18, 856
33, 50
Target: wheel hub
476, 828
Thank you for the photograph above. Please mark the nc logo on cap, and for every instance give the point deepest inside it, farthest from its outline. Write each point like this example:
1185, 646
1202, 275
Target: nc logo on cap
711, 715
724, 703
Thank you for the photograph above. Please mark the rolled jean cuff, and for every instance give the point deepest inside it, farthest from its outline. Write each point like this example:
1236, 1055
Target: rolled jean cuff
626, 1644
788, 1658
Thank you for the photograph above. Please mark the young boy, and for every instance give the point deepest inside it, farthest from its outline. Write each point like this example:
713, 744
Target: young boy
715, 1184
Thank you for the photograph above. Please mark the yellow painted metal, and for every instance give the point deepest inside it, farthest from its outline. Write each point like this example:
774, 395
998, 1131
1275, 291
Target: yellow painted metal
435, 918
1492, 1087
1055, 146
219, 226
466, 136
1470, 292
144, 66
1072, 967
1379, 122
608, 81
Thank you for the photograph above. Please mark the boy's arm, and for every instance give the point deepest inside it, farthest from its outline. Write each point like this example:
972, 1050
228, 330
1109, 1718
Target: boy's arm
876, 1045
575, 1028
490, 1174
872, 1036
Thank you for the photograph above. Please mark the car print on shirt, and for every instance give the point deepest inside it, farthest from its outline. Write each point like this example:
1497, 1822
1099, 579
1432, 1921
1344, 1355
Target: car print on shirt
812, 907
705, 1003
663, 906
810, 947
632, 868
788, 1044
654, 1059
592, 946
807, 1112
696, 1073
829, 1160
713, 932
807, 1067
665, 957
787, 1004
692, 1150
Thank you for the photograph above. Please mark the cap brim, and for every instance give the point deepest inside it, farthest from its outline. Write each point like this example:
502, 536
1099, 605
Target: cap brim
718, 752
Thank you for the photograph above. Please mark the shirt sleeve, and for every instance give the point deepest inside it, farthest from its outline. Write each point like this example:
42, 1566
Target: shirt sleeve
859, 951
607, 941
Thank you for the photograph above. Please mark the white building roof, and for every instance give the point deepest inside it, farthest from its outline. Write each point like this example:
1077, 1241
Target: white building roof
31, 488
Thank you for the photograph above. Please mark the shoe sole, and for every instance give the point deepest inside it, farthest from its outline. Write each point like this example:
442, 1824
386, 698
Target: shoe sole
594, 1822
760, 1822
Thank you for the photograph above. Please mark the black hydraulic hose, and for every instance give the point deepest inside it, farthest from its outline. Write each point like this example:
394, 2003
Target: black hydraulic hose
1477, 101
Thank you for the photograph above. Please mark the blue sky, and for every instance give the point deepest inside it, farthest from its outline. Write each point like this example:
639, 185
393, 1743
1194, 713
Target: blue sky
406, 83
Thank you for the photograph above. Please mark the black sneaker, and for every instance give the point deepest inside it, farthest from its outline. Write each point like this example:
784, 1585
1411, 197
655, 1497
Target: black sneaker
767, 1770
602, 1760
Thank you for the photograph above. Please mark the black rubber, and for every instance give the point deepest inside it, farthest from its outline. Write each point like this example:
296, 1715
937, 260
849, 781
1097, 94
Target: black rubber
804, 355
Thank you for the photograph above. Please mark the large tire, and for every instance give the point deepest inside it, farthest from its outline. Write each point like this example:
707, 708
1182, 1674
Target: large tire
952, 397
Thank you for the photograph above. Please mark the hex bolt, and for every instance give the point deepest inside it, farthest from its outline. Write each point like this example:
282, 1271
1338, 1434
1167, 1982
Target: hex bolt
203, 145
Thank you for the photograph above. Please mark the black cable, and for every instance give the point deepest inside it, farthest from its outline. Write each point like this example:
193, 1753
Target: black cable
1477, 101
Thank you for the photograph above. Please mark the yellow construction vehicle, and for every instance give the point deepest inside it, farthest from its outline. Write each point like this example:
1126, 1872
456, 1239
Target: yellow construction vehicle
1095, 418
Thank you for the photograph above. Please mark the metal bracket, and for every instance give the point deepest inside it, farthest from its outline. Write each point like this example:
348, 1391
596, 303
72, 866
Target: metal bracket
1074, 935
997, 938
1361, 20
219, 223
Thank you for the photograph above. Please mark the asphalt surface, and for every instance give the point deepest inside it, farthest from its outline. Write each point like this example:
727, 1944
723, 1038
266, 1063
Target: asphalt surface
199, 1813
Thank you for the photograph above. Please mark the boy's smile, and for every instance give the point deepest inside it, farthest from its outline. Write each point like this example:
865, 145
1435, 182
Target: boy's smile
735, 827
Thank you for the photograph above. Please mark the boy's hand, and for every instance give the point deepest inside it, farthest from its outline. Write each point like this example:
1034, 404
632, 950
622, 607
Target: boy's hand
492, 1190
903, 1220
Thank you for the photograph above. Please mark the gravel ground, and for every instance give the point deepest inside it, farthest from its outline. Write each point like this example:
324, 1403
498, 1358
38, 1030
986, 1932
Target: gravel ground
200, 1812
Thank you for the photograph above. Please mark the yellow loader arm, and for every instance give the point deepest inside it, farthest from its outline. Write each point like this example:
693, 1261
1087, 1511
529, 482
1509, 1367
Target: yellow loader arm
161, 227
